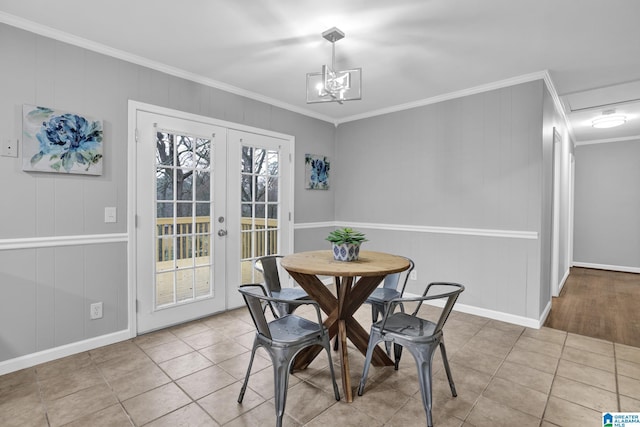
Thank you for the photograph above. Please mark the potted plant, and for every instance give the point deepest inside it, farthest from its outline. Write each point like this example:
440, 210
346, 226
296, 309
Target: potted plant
346, 243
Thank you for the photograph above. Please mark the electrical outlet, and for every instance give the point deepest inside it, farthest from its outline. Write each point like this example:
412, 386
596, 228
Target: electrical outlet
9, 148
95, 310
413, 275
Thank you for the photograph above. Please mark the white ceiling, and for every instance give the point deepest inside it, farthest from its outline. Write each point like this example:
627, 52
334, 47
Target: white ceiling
411, 51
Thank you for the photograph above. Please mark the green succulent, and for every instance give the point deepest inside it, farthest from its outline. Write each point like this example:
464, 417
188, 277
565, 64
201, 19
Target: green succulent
346, 235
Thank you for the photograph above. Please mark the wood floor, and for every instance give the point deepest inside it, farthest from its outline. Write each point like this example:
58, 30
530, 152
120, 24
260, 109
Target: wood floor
600, 304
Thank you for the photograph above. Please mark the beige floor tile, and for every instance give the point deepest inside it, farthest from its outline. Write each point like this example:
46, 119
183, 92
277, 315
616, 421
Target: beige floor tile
204, 339
516, 396
109, 417
589, 358
124, 348
526, 376
464, 378
206, 381
583, 394
222, 404
537, 346
304, 402
628, 404
486, 412
506, 327
546, 334
344, 411
63, 366
497, 336
188, 329
188, 416
629, 387
223, 350
152, 339
587, 375
53, 388
184, 365
534, 360
155, 403
593, 345
260, 416
17, 378
628, 353
22, 408
380, 401
481, 345
172, 349
237, 366
567, 414
628, 369
480, 362
124, 365
145, 379
18, 390
77, 405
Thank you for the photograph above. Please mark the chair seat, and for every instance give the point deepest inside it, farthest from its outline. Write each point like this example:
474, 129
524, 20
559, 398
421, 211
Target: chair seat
408, 327
290, 293
293, 328
382, 295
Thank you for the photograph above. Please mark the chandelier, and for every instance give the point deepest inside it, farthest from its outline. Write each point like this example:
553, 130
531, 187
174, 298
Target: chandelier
332, 85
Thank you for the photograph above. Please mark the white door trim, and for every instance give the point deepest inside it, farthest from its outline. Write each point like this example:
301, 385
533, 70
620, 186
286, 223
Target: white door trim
133, 108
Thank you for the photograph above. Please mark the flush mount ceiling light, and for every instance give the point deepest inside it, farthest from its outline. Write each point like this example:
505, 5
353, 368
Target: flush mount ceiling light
332, 85
609, 119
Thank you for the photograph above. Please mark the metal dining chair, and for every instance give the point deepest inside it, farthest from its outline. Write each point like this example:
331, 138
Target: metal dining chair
392, 287
268, 266
419, 336
282, 338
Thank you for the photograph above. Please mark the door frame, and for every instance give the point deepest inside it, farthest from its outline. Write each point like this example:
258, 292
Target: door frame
132, 196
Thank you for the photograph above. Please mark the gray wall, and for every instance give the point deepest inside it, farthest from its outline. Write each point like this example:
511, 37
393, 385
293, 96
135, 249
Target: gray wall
452, 171
47, 286
607, 205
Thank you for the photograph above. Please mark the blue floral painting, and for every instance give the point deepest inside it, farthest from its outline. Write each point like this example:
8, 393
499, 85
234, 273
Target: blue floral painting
317, 172
55, 141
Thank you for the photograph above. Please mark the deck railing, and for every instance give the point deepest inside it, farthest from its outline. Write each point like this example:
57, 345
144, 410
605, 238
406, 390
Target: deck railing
263, 237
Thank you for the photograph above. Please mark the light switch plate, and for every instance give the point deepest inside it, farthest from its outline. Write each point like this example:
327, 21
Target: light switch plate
110, 214
9, 147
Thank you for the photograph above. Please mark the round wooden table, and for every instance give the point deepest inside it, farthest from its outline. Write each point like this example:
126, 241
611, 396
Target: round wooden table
370, 269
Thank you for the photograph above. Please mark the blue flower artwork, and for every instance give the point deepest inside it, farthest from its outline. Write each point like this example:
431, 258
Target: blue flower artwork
55, 141
317, 172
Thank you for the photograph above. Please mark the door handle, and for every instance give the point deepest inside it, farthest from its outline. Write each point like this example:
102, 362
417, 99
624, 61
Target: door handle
222, 233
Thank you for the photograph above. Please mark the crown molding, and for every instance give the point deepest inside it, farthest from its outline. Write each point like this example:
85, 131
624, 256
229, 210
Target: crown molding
603, 141
62, 36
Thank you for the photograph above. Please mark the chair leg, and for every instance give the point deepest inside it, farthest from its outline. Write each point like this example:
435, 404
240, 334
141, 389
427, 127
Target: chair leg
423, 361
246, 378
327, 346
373, 341
397, 354
281, 361
448, 369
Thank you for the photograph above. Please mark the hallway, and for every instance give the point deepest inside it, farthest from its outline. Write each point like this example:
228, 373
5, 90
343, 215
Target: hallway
600, 304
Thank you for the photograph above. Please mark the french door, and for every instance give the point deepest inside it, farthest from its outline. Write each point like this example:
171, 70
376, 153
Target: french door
209, 200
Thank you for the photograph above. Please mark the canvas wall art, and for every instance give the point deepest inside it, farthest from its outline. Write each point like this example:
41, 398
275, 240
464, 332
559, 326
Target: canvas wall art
316, 172
60, 142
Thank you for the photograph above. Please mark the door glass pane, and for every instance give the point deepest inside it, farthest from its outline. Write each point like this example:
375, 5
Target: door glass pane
259, 223
183, 222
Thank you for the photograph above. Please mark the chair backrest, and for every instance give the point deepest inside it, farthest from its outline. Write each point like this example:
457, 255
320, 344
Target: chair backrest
268, 266
398, 281
450, 291
254, 296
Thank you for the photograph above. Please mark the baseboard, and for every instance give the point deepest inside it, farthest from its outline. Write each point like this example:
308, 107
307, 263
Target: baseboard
563, 281
620, 268
494, 315
48, 355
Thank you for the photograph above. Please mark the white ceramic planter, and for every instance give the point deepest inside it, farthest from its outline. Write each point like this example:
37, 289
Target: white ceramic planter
346, 252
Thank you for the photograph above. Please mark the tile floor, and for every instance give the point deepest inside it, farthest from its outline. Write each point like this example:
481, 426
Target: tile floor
190, 375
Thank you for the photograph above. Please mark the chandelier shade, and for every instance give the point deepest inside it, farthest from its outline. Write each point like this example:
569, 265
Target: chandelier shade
330, 84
